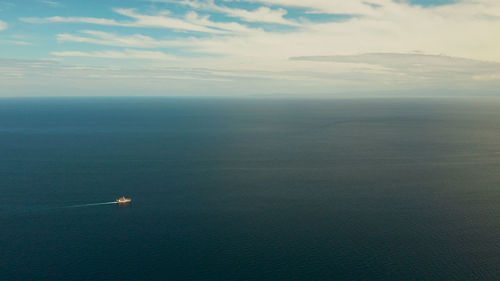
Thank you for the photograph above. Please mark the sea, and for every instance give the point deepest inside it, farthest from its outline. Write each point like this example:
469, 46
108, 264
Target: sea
250, 189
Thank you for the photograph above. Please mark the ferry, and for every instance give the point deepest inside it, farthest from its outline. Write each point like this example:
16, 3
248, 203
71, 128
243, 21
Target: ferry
123, 200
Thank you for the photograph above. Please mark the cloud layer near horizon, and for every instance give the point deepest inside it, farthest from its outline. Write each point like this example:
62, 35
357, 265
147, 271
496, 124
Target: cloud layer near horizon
280, 46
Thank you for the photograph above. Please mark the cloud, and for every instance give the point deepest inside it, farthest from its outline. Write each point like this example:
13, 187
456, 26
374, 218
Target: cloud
406, 60
110, 39
163, 21
214, 77
3, 25
191, 22
372, 49
89, 20
261, 14
38, 77
459, 30
352, 7
432, 69
462, 29
127, 54
50, 3
18, 42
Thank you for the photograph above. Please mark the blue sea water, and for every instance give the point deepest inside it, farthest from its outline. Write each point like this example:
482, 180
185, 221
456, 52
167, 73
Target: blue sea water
249, 189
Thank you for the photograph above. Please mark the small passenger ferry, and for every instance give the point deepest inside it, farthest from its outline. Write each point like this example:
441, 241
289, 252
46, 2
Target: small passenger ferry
123, 200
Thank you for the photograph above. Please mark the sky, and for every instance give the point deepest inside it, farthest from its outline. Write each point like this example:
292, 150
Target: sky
249, 47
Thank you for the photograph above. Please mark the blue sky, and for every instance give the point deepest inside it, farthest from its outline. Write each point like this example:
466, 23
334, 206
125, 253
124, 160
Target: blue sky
248, 47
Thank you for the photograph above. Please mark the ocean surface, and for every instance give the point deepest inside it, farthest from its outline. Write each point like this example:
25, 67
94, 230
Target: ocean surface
249, 189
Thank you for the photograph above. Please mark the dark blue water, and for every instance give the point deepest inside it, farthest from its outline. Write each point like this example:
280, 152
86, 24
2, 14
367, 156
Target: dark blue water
242, 189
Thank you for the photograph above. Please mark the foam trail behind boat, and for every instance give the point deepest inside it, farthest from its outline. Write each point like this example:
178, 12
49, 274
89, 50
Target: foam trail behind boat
36, 209
87, 205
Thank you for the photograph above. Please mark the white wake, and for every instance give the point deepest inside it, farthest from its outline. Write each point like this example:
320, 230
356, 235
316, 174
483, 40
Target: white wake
86, 205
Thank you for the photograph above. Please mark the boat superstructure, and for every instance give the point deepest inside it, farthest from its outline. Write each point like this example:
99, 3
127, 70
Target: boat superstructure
123, 200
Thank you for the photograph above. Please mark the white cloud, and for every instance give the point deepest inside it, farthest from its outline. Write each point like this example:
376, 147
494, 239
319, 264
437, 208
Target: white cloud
459, 30
163, 21
417, 67
89, 20
33, 77
191, 22
224, 27
374, 49
261, 14
3, 25
127, 54
50, 3
110, 39
463, 29
352, 7
18, 42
